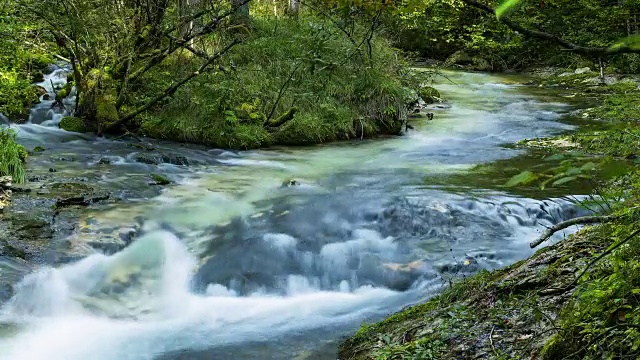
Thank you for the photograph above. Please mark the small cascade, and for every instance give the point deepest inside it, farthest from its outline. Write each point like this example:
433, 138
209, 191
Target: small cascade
48, 112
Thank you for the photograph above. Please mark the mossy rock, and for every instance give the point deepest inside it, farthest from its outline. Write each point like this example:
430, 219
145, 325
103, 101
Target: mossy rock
459, 58
429, 94
72, 123
160, 180
481, 64
38, 149
40, 90
37, 77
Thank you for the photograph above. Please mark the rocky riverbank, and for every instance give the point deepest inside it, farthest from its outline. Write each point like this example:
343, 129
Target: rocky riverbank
571, 300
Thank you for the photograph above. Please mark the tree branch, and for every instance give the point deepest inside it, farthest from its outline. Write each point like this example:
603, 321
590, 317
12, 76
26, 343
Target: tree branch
171, 89
584, 50
565, 224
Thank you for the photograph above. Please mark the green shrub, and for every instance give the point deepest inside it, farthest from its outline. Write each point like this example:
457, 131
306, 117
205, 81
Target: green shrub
294, 75
12, 156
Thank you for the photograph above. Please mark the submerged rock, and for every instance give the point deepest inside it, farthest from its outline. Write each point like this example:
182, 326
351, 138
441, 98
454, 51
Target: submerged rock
161, 158
160, 180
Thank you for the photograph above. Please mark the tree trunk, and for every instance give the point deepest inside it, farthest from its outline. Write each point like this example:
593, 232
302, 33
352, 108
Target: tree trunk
183, 11
242, 10
294, 8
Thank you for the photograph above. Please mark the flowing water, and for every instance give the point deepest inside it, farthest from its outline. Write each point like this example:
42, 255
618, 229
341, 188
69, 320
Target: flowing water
229, 263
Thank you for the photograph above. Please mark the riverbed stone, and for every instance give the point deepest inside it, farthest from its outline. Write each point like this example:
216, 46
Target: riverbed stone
583, 70
459, 58
162, 158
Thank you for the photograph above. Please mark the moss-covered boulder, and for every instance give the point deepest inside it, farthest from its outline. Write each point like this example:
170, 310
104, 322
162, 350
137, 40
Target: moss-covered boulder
160, 180
429, 94
40, 90
480, 64
72, 123
37, 77
459, 58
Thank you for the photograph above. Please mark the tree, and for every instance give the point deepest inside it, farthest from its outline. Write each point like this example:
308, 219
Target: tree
111, 55
624, 46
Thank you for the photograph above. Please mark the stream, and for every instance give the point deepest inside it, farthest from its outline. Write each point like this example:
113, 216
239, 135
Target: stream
236, 260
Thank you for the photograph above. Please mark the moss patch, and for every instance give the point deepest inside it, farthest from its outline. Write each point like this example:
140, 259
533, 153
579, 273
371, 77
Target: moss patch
71, 123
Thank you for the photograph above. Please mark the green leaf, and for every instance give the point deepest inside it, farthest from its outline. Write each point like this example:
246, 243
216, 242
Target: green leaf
588, 166
523, 178
506, 7
631, 42
564, 180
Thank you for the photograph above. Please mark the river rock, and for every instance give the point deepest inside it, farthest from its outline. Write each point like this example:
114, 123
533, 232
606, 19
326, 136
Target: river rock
480, 64
429, 95
161, 158
41, 91
583, 70
459, 58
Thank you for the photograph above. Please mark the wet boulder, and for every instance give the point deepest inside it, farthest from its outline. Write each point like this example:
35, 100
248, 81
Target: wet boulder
429, 94
459, 58
162, 158
290, 183
73, 193
73, 124
480, 64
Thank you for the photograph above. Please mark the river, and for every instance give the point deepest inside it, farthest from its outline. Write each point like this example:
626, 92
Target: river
235, 261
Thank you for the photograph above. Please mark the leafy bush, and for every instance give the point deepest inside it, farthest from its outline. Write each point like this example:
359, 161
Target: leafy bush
303, 71
12, 156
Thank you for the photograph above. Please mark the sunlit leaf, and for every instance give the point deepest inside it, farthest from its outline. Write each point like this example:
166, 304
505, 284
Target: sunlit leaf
564, 180
632, 42
507, 7
523, 178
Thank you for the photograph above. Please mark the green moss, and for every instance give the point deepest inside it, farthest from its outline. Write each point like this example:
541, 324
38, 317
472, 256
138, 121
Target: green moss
160, 179
64, 92
38, 149
106, 111
285, 117
429, 94
71, 123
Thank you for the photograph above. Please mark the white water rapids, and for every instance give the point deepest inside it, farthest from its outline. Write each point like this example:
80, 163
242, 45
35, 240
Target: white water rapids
159, 314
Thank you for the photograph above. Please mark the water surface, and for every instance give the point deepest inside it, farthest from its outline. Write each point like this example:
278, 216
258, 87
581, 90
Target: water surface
232, 264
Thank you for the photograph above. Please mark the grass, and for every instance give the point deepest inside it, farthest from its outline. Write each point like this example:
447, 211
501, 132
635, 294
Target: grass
307, 66
12, 156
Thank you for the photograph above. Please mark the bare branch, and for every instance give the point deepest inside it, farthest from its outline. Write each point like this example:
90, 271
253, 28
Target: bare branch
171, 89
565, 224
